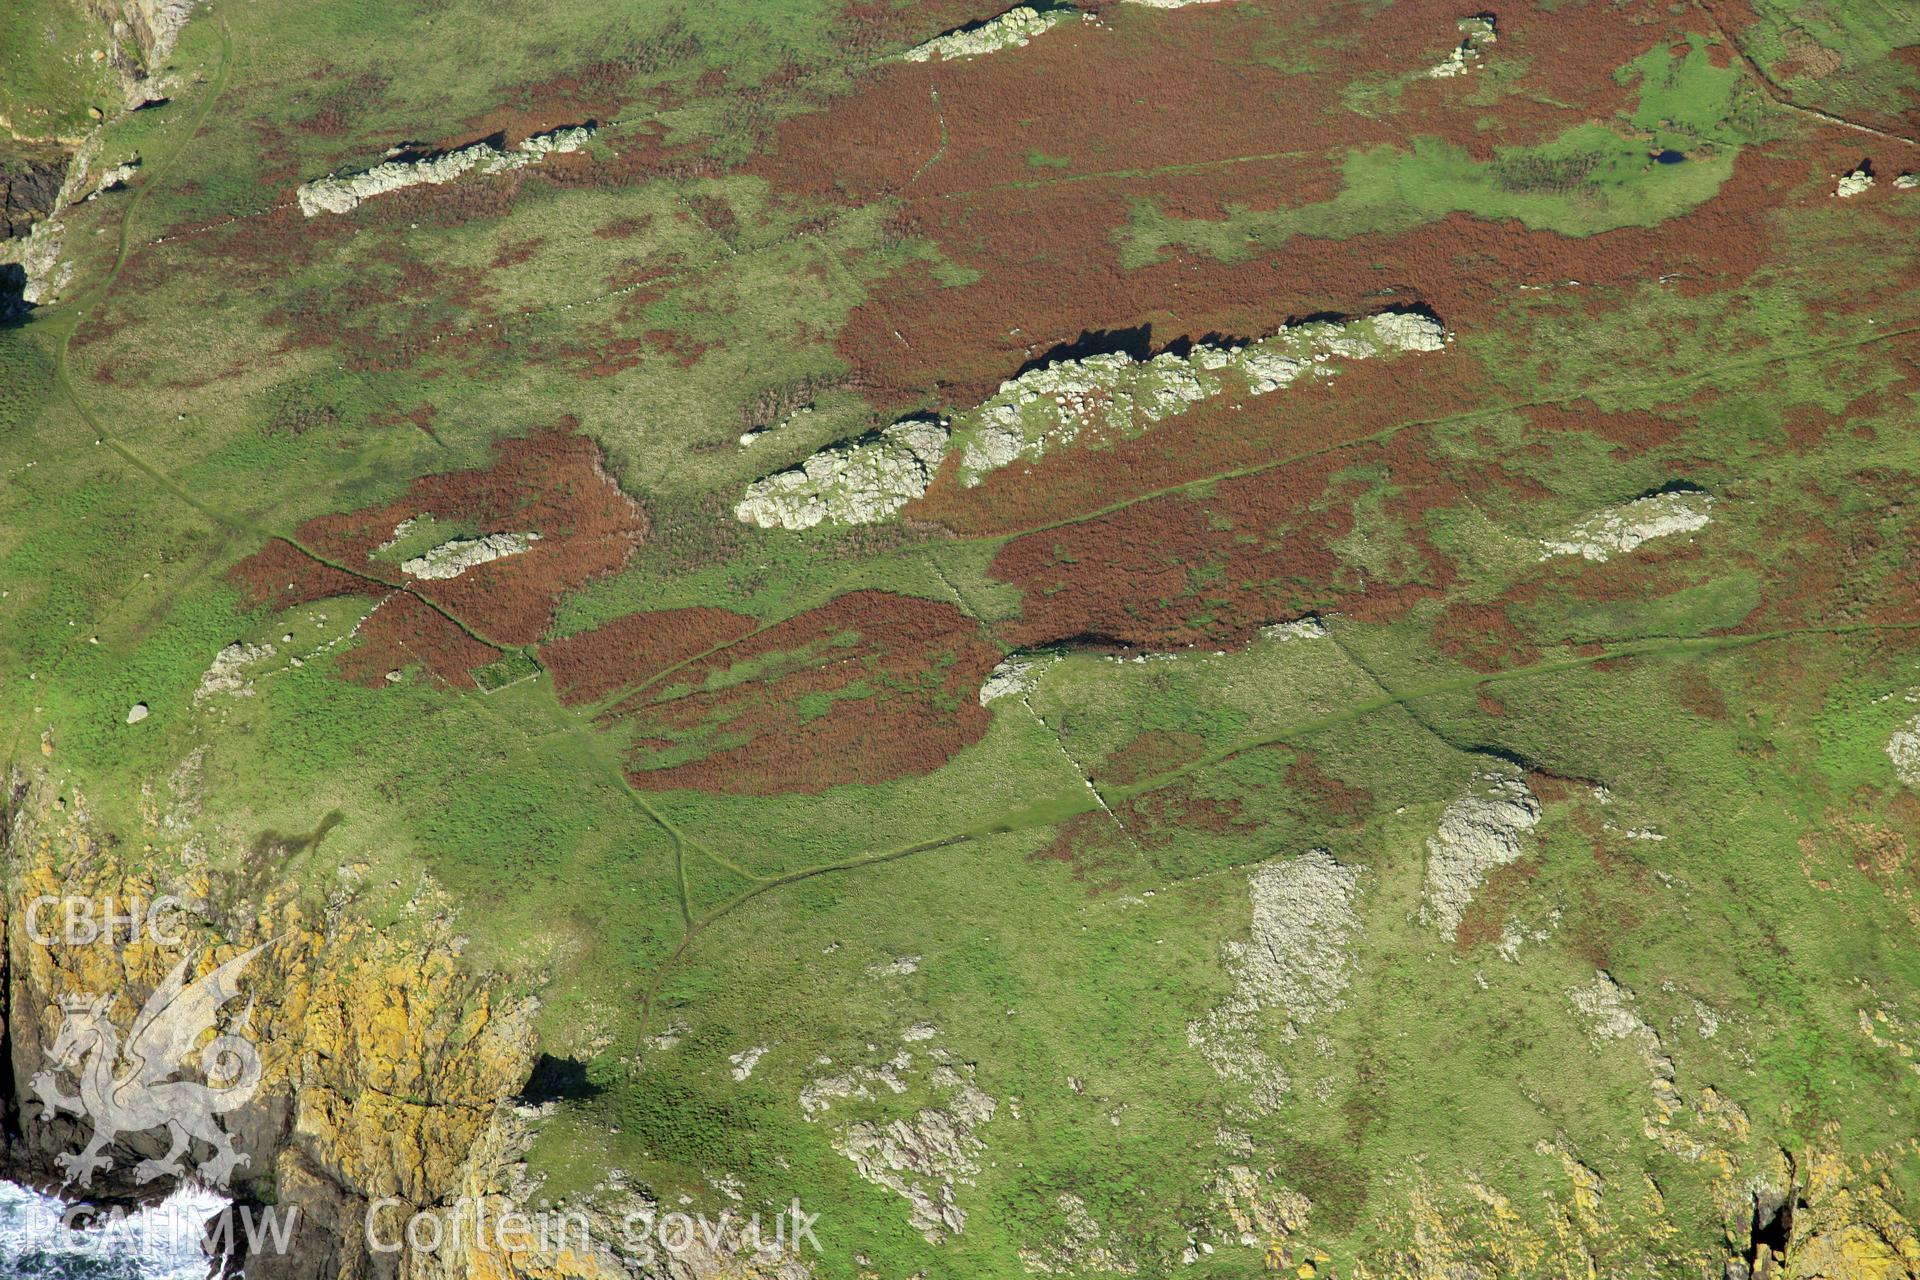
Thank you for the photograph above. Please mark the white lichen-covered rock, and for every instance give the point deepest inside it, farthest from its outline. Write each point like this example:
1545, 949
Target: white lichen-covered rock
924, 1158
1609, 1013
1294, 961
226, 676
1168, 4
452, 558
1114, 396
1409, 331
1010, 30
1015, 676
1859, 182
1303, 921
338, 195
744, 1062
115, 179
1907, 182
1620, 529
1903, 748
1307, 628
39, 256
1478, 832
849, 484
1475, 34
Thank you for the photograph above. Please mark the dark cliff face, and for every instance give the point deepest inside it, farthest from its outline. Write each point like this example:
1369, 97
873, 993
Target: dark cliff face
29, 185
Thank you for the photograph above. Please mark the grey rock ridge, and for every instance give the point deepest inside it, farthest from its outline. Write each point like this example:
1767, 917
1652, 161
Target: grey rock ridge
340, 194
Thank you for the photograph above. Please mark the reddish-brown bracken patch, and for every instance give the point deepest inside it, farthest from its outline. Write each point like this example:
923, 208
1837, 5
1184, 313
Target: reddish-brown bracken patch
869, 687
404, 631
1152, 753
1483, 637
1486, 916
1698, 695
1044, 239
1213, 567
635, 649
1094, 848
1329, 795
1635, 431
549, 483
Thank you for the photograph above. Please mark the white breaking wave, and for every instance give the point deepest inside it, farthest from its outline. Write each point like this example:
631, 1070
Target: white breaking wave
160, 1242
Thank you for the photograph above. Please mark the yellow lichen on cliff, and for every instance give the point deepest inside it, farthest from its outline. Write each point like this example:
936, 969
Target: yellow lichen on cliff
385, 1067
1848, 1227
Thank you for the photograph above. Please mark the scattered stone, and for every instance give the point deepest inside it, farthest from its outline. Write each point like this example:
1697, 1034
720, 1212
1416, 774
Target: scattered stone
859, 483
1016, 676
1010, 30
1620, 529
667, 1039
1859, 182
744, 1061
1476, 34
854, 1083
338, 195
137, 712
224, 676
923, 1157
919, 1031
1478, 832
453, 558
1079, 1249
898, 968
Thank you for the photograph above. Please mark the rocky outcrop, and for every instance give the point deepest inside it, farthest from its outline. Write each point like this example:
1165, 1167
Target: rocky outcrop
338, 195
1294, 961
1112, 395
227, 676
922, 1156
454, 557
1016, 676
29, 188
1104, 395
859, 483
1009, 30
1478, 832
1903, 749
1617, 530
38, 187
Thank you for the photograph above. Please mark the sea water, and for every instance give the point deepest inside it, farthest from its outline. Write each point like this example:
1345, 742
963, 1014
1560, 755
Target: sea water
160, 1242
